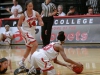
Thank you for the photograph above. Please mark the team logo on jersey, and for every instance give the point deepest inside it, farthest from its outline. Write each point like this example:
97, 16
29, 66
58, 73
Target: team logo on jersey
31, 22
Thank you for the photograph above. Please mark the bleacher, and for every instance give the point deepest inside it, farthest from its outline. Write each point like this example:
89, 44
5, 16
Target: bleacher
3, 5
79, 4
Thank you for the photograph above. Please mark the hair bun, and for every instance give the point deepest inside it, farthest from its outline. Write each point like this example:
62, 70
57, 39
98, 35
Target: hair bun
61, 36
61, 33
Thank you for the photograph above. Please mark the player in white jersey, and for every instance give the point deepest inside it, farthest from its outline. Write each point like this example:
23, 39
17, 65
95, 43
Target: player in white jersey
41, 59
7, 35
28, 22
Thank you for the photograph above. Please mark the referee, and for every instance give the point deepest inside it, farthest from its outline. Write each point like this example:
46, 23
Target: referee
48, 11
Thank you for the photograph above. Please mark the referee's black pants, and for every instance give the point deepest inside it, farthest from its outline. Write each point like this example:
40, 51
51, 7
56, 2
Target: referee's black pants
48, 23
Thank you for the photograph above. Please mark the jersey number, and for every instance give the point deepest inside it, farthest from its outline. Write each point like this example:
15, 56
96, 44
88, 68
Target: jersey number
47, 47
32, 23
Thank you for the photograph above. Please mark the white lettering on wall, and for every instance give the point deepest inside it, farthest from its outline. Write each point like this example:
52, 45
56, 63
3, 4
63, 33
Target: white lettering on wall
84, 21
56, 22
62, 22
67, 22
91, 21
78, 21
73, 21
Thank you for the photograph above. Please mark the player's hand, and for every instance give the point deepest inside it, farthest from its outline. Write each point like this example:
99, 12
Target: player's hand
8, 9
79, 64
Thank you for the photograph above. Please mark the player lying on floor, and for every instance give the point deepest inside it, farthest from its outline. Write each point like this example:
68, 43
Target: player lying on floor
4, 64
41, 58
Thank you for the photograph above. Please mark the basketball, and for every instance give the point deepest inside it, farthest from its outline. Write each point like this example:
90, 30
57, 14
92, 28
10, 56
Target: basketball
0, 22
77, 69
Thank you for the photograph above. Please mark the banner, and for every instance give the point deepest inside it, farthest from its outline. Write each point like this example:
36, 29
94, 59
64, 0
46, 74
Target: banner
77, 30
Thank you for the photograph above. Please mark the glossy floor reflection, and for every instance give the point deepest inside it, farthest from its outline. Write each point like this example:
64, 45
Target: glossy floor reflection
88, 55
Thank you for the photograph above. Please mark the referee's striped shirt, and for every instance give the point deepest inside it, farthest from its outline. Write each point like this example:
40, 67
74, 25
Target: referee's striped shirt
48, 8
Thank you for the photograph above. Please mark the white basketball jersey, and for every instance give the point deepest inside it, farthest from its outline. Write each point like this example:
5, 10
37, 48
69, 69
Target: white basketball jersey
49, 51
29, 23
8, 33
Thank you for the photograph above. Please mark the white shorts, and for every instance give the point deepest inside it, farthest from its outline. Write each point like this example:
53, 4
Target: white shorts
40, 60
29, 39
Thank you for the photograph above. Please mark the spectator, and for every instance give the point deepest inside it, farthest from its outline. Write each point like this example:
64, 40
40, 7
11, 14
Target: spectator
7, 35
90, 11
15, 14
15, 6
93, 4
60, 11
72, 11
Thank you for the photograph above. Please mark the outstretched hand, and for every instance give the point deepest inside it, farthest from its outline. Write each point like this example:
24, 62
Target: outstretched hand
8, 9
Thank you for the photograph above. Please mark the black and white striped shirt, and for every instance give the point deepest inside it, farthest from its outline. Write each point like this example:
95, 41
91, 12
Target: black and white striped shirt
48, 8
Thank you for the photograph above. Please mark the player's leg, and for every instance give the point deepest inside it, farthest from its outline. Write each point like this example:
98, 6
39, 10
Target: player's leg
34, 65
31, 44
28, 49
1, 37
34, 47
50, 72
44, 63
7, 41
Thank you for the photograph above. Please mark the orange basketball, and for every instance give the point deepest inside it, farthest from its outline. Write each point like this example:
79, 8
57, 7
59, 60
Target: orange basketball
0, 22
77, 69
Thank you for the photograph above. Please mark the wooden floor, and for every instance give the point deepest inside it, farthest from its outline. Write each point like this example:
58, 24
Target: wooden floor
89, 56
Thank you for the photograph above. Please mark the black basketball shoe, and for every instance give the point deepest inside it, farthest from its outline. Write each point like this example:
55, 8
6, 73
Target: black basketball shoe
22, 69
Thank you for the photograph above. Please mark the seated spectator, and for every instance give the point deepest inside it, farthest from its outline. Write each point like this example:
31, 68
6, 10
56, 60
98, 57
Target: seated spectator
60, 11
94, 4
90, 11
15, 14
15, 6
72, 11
6, 37
4, 64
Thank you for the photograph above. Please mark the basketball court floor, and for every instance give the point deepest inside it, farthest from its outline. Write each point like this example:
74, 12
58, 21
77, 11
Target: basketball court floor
89, 55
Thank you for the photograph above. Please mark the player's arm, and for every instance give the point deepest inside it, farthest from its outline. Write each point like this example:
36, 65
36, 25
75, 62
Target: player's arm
60, 63
61, 50
9, 64
20, 23
39, 19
